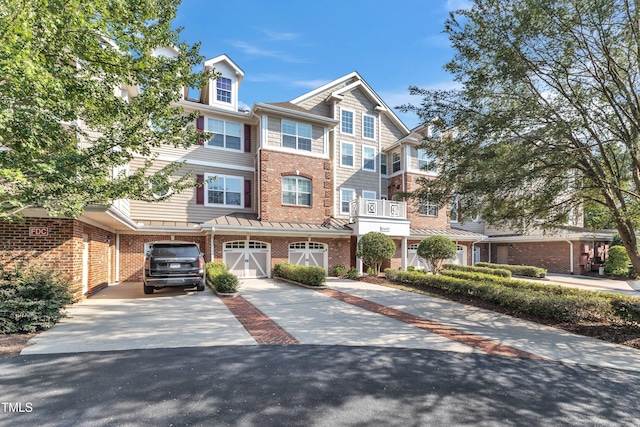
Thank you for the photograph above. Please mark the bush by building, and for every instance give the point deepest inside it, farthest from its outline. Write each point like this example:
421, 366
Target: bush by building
220, 278
475, 269
517, 270
32, 299
549, 302
307, 275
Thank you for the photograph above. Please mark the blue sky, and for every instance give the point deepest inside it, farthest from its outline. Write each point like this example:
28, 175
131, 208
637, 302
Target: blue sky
289, 47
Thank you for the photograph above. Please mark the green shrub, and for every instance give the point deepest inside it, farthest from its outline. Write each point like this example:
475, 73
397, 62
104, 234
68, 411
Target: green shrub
518, 270
374, 248
475, 269
31, 299
371, 272
338, 270
226, 282
554, 303
618, 261
311, 275
411, 268
435, 250
212, 269
352, 273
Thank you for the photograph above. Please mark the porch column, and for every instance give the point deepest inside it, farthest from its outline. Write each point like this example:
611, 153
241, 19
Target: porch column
404, 253
359, 260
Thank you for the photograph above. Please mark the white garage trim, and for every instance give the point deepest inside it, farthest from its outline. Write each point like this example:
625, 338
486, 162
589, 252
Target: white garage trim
247, 258
309, 254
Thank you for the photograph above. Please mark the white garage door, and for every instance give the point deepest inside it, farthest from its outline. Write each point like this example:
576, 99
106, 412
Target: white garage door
414, 259
309, 253
247, 258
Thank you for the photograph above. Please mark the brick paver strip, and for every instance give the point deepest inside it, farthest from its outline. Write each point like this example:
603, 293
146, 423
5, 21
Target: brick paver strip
264, 330
486, 345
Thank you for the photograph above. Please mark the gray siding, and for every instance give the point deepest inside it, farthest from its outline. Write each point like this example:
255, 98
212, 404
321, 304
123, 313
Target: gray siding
182, 207
274, 135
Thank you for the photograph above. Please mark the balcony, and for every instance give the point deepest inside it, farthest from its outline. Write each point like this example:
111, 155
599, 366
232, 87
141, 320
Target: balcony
375, 208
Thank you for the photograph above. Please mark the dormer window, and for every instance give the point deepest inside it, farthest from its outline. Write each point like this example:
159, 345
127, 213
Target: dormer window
223, 89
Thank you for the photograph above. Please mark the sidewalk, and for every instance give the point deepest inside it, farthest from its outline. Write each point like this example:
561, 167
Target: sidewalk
590, 283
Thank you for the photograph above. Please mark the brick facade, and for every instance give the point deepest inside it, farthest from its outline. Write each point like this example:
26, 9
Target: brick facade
132, 252
273, 166
552, 255
61, 250
338, 248
418, 220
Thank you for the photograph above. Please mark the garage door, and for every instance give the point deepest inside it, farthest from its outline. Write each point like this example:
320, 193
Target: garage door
247, 258
414, 259
309, 253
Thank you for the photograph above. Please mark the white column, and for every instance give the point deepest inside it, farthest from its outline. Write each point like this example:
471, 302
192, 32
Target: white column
359, 260
404, 253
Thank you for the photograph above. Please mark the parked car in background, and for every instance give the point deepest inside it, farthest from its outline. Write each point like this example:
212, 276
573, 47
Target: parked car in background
173, 263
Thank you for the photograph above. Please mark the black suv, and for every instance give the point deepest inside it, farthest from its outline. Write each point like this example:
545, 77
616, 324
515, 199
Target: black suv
173, 263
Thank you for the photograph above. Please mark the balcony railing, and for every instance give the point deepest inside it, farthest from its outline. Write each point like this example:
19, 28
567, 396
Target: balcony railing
376, 208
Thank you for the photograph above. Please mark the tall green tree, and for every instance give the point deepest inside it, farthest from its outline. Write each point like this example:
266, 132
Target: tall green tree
547, 116
65, 128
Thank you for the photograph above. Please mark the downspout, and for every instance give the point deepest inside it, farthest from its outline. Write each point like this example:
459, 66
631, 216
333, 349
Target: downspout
333, 158
117, 257
570, 254
489, 252
473, 251
379, 127
212, 242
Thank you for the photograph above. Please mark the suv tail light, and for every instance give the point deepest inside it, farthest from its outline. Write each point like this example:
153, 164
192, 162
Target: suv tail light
147, 263
201, 263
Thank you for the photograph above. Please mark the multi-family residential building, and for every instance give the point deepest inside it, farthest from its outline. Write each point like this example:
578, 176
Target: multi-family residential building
298, 181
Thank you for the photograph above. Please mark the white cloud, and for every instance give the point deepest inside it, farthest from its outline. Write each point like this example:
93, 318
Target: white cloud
257, 51
311, 84
278, 36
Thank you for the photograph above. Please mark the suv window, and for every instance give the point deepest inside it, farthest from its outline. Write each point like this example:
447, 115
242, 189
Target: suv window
174, 251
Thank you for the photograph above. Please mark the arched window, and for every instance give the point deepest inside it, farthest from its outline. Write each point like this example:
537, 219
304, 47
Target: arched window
296, 190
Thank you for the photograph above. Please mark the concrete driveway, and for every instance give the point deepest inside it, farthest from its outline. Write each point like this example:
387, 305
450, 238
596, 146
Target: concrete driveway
348, 313
122, 317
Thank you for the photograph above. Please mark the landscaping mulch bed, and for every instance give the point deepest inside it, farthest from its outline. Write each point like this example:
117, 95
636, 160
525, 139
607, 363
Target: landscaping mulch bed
12, 344
628, 335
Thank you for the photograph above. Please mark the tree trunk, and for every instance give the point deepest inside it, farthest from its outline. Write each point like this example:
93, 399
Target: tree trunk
630, 244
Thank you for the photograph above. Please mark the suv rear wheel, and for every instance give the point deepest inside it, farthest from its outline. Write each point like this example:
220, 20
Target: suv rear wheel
148, 289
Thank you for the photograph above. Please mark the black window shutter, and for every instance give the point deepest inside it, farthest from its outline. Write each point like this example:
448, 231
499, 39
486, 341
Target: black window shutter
200, 129
247, 138
247, 193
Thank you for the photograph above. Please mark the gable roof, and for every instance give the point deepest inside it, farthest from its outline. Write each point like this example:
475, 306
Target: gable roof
357, 82
224, 58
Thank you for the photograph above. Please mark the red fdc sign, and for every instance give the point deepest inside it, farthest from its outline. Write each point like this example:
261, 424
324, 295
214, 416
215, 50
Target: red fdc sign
38, 231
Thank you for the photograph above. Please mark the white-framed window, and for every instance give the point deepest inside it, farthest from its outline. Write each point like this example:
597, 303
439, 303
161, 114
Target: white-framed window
366, 194
346, 195
346, 154
368, 126
368, 158
428, 208
383, 164
426, 162
296, 190
224, 134
223, 89
225, 191
346, 122
454, 211
395, 162
296, 135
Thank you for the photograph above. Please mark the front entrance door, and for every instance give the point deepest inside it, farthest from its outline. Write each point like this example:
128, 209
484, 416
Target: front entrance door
503, 254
